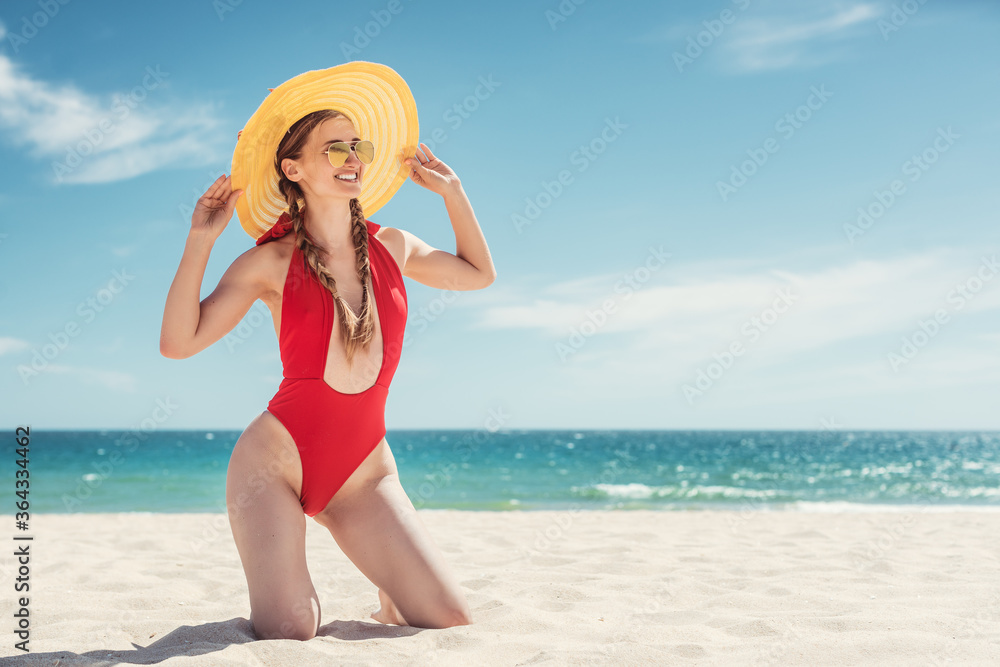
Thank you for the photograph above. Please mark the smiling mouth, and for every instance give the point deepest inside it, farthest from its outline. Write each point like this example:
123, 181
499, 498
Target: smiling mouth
353, 179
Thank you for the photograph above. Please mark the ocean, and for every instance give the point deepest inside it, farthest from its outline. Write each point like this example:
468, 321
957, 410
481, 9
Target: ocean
185, 471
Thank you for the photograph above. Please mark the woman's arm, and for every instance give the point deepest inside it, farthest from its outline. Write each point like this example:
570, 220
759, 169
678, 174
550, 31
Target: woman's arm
471, 267
190, 325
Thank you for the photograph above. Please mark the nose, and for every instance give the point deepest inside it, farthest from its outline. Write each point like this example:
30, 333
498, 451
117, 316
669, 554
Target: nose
353, 161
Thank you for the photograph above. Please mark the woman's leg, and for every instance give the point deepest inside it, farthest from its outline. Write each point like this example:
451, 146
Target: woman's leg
380, 531
269, 528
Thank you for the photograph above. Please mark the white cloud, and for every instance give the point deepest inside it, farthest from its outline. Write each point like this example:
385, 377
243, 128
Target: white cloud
862, 297
775, 34
773, 31
9, 345
128, 134
840, 314
797, 34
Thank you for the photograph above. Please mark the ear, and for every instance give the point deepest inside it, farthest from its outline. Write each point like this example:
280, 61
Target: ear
291, 170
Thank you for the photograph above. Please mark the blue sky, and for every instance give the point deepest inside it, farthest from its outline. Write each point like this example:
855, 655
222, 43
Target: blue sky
752, 214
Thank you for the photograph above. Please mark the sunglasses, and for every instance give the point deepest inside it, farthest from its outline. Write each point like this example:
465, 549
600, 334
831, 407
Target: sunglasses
339, 150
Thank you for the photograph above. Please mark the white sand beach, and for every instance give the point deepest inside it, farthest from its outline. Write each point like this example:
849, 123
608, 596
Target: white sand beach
561, 588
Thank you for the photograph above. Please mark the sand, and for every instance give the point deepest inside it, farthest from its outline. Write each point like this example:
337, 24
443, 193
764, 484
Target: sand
559, 588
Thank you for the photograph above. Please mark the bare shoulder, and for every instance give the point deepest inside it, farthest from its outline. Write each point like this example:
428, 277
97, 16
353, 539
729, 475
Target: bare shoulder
267, 264
394, 241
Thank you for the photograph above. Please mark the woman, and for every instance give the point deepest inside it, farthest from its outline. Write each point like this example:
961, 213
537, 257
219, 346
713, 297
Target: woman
333, 283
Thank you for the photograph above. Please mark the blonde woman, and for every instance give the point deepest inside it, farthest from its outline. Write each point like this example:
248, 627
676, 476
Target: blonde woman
333, 281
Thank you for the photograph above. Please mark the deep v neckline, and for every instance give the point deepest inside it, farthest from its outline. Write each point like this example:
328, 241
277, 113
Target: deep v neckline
328, 333
348, 306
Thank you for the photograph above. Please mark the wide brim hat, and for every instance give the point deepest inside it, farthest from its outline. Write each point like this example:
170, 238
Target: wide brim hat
373, 96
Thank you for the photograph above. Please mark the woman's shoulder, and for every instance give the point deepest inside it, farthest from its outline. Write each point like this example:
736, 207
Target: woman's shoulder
392, 240
267, 264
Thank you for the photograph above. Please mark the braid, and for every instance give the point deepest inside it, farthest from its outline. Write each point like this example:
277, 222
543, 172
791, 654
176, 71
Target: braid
360, 231
357, 331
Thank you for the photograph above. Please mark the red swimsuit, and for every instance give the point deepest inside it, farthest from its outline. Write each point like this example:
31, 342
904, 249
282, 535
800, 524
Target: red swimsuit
334, 432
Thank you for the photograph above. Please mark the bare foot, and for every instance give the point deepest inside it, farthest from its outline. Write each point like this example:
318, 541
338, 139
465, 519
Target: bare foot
388, 613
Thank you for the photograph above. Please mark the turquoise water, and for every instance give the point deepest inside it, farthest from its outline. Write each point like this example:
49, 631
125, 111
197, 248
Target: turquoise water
185, 471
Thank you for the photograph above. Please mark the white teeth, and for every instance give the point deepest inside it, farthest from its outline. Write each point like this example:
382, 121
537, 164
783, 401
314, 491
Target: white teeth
353, 177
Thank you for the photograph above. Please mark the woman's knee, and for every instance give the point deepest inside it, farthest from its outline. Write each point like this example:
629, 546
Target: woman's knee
298, 621
446, 614
459, 616
284, 630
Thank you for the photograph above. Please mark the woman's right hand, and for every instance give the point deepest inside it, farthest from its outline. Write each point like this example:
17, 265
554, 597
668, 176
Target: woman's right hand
215, 208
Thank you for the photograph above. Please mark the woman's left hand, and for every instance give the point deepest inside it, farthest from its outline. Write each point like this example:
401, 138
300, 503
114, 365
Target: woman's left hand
431, 173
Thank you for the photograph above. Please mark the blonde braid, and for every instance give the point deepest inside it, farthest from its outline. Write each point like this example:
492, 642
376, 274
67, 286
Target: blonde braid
357, 331
360, 230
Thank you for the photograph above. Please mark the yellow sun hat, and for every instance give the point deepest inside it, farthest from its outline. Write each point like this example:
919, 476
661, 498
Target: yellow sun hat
373, 96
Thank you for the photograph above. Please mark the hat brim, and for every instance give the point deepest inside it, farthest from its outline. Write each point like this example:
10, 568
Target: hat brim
372, 95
